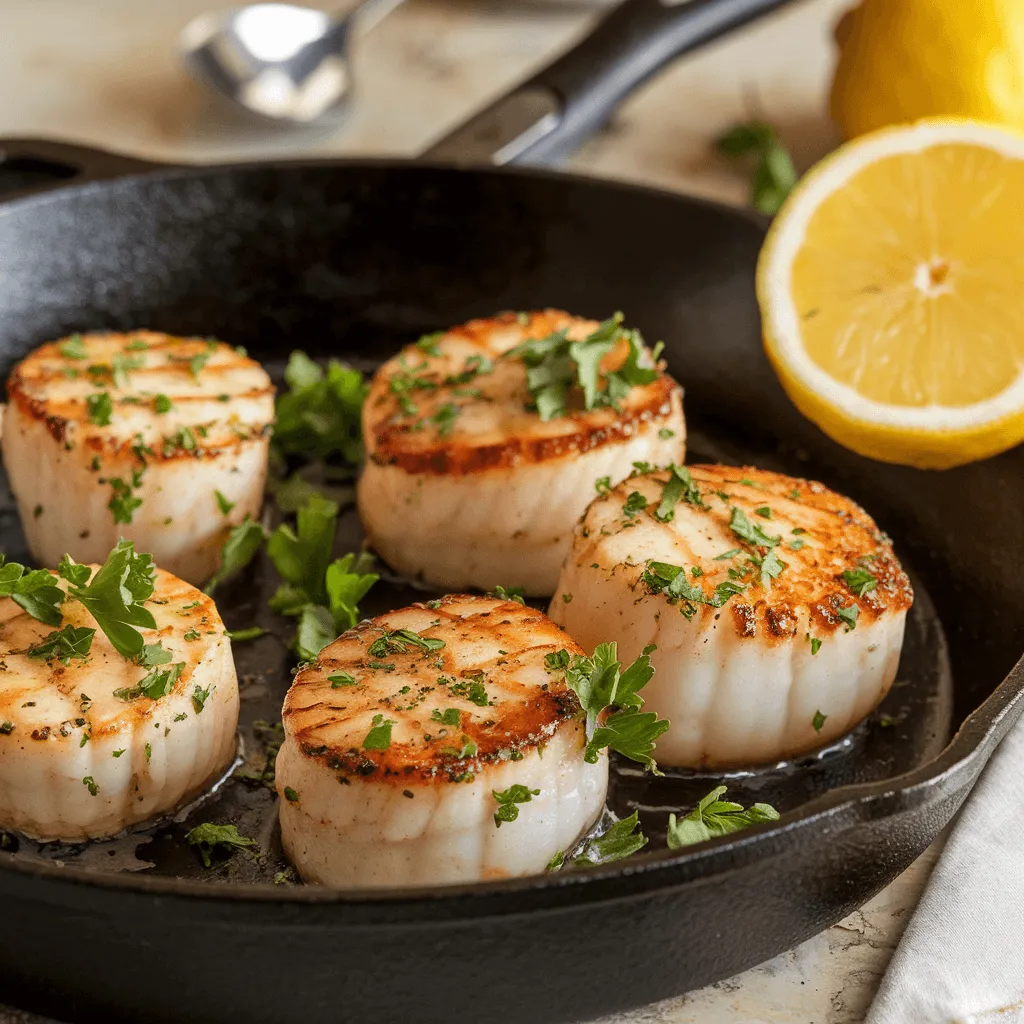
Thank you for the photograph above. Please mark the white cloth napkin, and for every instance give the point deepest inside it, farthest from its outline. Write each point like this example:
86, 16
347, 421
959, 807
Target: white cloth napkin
961, 960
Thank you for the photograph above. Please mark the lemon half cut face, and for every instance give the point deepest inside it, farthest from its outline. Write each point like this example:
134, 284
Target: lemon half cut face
892, 293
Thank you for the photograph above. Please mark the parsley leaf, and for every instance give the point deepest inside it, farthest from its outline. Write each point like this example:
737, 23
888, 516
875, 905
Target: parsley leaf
100, 408
324, 595
508, 799
67, 643
379, 736
818, 721
162, 404
557, 366
208, 837
860, 581
73, 348
774, 173
319, 415
116, 594
849, 616
603, 484
238, 636
751, 532
450, 716
35, 590
239, 549
397, 641
714, 817
680, 487
347, 584
340, 679
508, 594
635, 503
600, 683
622, 839
223, 504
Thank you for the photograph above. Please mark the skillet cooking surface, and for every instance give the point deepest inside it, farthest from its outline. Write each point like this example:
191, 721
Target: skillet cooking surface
353, 260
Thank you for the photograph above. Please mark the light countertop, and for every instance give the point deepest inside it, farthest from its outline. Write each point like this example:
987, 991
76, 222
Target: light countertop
106, 73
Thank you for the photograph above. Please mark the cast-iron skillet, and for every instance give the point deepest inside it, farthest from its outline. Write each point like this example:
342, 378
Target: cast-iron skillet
354, 258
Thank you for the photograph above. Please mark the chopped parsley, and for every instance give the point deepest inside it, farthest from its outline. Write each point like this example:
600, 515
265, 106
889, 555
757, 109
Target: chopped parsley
450, 716
444, 419
239, 549
116, 594
73, 348
90, 784
290, 795
192, 634
121, 367
750, 532
849, 616
379, 736
223, 504
818, 721
860, 581
340, 679
208, 837
621, 839
603, 484
397, 641
764, 512
65, 644
665, 433
714, 817
123, 501
508, 594
508, 800
238, 636
635, 503
679, 487
162, 404
157, 683
557, 368
200, 697
100, 408
815, 643
600, 682
319, 415
428, 343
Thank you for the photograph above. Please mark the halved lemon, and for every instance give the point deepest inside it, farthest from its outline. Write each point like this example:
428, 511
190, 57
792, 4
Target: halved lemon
891, 288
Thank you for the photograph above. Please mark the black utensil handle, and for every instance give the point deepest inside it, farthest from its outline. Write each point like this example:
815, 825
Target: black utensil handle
29, 166
549, 115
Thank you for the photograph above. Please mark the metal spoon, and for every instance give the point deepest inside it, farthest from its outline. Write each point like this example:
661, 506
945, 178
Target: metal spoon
279, 61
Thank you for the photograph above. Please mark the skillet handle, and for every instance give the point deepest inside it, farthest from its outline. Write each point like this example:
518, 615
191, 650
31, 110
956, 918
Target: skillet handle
548, 116
29, 166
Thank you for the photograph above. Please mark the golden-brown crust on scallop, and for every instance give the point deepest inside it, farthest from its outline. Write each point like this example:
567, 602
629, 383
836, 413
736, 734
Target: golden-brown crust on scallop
498, 645
178, 609
51, 388
494, 428
834, 535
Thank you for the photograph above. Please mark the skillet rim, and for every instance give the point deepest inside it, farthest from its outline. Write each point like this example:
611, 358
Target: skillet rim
843, 808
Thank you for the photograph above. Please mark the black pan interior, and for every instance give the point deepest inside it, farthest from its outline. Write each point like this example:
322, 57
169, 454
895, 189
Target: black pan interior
352, 262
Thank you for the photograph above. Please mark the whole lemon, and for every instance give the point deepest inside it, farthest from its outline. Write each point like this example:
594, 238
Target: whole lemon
900, 60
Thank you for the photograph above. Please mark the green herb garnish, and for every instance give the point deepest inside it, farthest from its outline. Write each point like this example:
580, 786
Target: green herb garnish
774, 173
208, 837
379, 736
100, 408
65, 644
714, 817
508, 799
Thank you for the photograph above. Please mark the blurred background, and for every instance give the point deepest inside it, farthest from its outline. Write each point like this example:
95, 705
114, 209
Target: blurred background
110, 74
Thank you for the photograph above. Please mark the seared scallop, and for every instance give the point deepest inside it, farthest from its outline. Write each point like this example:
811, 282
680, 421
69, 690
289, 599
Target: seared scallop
92, 742
777, 607
494, 432
157, 439
434, 745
